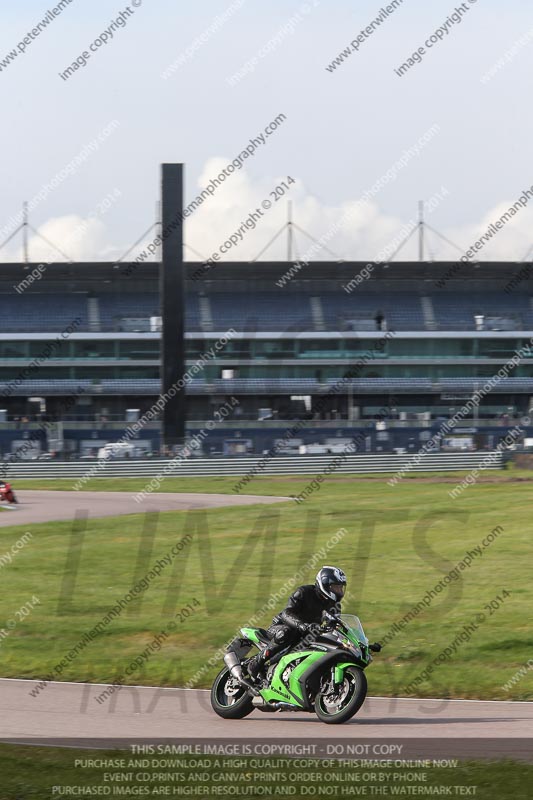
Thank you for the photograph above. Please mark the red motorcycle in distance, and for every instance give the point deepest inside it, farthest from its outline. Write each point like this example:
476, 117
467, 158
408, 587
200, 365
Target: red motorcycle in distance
7, 495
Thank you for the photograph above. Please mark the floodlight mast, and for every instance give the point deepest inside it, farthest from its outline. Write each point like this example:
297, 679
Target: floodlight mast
172, 295
420, 230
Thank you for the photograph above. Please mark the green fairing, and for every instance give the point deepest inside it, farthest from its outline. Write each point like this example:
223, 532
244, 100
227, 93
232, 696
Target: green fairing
270, 696
339, 670
299, 670
251, 633
352, 637
277, 690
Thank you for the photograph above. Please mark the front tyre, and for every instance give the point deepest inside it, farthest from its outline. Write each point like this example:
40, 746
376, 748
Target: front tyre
229, 698
340, 705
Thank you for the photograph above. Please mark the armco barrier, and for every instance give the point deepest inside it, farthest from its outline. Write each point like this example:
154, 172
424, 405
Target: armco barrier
281, 465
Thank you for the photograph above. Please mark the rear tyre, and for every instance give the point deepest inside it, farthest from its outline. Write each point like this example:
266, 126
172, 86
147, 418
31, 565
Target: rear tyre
229, 698
348, 697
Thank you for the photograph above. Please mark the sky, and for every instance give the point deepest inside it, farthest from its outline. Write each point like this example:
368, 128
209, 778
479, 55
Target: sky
195, 83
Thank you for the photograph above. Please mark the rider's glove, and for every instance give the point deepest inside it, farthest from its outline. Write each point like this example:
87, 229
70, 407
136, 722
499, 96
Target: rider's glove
303, 628
376, 647
308, 628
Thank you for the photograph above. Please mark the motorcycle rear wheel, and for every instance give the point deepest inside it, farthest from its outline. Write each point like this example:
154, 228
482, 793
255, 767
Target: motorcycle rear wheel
229, 699
333, 709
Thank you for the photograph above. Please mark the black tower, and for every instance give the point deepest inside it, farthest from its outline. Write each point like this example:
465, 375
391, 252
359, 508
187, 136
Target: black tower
172, 293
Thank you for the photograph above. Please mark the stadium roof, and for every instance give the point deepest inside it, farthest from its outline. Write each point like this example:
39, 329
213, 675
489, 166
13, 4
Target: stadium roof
102, 275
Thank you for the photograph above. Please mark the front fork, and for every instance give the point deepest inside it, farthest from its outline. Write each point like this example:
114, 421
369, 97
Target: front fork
327, 684
338, 671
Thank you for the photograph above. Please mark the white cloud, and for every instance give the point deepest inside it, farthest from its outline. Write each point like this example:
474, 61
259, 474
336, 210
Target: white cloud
368, 232
79, 238
511, 243
221, 216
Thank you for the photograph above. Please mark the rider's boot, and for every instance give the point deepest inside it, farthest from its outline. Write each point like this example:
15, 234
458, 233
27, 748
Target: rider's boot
256, 664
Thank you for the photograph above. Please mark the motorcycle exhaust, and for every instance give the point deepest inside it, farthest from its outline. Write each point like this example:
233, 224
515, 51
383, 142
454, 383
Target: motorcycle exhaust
235, 668
234, 665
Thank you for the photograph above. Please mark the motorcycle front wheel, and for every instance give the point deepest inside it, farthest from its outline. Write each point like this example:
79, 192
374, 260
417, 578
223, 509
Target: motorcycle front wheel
345, 700
229, 698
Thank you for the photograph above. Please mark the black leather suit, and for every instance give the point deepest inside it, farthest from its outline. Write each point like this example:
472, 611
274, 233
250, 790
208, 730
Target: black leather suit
305, 606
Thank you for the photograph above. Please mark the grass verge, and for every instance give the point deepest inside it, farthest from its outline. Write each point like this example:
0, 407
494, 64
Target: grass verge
398, 544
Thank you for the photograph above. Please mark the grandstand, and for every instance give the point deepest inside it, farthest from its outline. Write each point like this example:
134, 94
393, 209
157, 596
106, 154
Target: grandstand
409, 339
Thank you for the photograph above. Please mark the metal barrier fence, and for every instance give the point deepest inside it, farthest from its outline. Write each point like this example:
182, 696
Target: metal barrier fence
280, 465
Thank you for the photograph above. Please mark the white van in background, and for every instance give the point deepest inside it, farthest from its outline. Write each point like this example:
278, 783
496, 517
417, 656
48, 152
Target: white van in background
116, 450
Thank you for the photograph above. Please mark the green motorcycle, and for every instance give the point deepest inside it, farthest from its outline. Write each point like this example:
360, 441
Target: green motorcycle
325, 675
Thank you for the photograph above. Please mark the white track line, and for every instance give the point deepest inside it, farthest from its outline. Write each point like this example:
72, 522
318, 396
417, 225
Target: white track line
186, 689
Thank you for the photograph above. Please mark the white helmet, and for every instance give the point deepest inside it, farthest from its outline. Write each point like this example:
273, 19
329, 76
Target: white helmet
330, 583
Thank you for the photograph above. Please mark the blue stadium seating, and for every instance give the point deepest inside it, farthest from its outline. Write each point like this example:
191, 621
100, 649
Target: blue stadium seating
262, 311
33, 312
456, 311
113, 307
280, 311
402, 311
152, 386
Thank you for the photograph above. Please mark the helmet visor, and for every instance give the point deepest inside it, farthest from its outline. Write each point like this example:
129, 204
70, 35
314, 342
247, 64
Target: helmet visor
338, 589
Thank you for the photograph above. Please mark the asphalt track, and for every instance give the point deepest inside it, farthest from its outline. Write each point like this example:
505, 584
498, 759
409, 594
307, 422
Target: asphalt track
48, 506
69, 714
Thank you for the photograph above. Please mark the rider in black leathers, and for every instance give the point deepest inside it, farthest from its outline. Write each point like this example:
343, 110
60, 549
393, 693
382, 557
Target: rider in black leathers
302, 615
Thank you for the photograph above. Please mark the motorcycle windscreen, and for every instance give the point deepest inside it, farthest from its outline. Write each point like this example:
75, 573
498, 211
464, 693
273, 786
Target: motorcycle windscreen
354, 624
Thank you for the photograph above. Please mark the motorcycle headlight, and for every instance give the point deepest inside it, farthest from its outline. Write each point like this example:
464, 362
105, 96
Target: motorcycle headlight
355, 650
